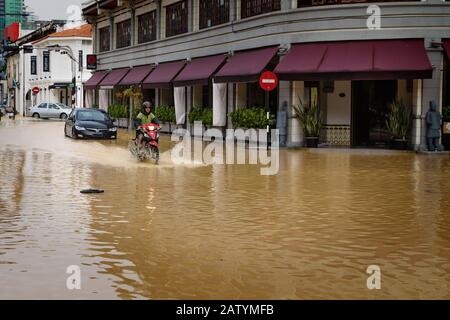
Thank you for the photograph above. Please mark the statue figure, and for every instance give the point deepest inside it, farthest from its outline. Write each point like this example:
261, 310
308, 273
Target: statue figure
434, 119
282, 118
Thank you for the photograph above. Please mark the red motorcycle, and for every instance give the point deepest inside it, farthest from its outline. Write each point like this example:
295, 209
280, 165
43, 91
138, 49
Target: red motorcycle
149, 148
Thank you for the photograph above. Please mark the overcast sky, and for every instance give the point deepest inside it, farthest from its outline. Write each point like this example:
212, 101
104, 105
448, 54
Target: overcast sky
51, 9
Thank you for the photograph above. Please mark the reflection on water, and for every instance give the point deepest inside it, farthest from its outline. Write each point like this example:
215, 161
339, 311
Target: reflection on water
218, 232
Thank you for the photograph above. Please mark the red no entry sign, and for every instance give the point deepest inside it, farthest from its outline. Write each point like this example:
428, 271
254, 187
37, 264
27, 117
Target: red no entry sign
35, 90
268, 81
91, 62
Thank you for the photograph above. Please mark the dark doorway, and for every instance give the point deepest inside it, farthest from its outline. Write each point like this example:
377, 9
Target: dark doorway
256, 97
370, 106
149, 95
207, 96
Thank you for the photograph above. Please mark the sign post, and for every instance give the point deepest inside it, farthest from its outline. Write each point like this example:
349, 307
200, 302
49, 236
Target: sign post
268, 82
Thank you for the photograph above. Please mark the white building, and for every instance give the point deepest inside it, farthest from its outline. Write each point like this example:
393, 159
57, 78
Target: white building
15, 66
51, 69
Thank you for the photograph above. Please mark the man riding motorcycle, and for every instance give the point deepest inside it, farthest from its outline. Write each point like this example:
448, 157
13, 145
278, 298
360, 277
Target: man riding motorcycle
144, 117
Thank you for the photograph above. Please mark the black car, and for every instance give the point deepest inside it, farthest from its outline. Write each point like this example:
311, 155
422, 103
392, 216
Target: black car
90, 123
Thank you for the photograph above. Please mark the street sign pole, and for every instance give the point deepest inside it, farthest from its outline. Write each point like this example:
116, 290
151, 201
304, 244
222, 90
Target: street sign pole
268, 82
268, 118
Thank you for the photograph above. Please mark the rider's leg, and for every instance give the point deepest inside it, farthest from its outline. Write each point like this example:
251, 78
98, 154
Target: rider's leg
139, 141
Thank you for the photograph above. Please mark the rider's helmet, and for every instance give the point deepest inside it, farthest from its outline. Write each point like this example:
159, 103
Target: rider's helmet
147, 108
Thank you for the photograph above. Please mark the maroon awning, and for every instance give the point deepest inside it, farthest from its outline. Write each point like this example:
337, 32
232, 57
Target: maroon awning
356, 60
246, 66
96, 78
446, 45
199, 71
136, 75
114, 77
163, 75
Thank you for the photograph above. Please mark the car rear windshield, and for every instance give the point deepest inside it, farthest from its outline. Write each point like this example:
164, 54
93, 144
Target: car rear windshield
92, 116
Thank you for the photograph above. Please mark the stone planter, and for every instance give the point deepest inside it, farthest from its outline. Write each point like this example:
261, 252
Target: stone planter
398, 144
312, 142
122, 122
249, 139
167, 127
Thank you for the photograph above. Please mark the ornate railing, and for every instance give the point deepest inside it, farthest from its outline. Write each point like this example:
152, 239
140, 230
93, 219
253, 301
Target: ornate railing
309, 3
336, 135
250, 8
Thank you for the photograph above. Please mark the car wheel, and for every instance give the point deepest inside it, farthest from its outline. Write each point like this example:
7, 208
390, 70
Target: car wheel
36, 115
74, 134
63, 116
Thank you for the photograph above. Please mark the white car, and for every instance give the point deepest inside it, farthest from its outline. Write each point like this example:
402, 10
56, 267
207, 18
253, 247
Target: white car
50, 110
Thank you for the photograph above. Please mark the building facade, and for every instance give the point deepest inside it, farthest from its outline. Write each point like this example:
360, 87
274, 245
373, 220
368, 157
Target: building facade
49, 68
10, 11
52, 70
352, 58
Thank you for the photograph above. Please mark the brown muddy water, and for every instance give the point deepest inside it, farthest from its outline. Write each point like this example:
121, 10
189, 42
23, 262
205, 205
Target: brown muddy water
218, 232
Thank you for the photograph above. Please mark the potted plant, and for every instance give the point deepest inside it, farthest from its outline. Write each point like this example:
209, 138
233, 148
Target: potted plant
196, 114
166, 115
398, 123
251, 118
446, 118
205, 115
311, 119
119, 112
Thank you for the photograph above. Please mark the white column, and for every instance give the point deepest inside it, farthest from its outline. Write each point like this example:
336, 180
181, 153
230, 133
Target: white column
416, 133
295, 134
180, 104
219, 104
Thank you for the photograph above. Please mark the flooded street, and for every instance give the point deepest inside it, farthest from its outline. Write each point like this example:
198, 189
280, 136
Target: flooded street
221, 231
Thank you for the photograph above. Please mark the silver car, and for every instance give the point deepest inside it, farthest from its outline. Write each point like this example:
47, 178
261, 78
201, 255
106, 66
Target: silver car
50, 110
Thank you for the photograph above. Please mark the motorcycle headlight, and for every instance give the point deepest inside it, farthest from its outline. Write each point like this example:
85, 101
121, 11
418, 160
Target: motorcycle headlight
151, 128
80, 128
114, 129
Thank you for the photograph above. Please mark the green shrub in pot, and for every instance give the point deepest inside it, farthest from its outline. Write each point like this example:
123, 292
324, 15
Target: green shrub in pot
399, 120
165, 114
311, 119
196, 114
446, 114
205, 115
118, 111
252, 118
